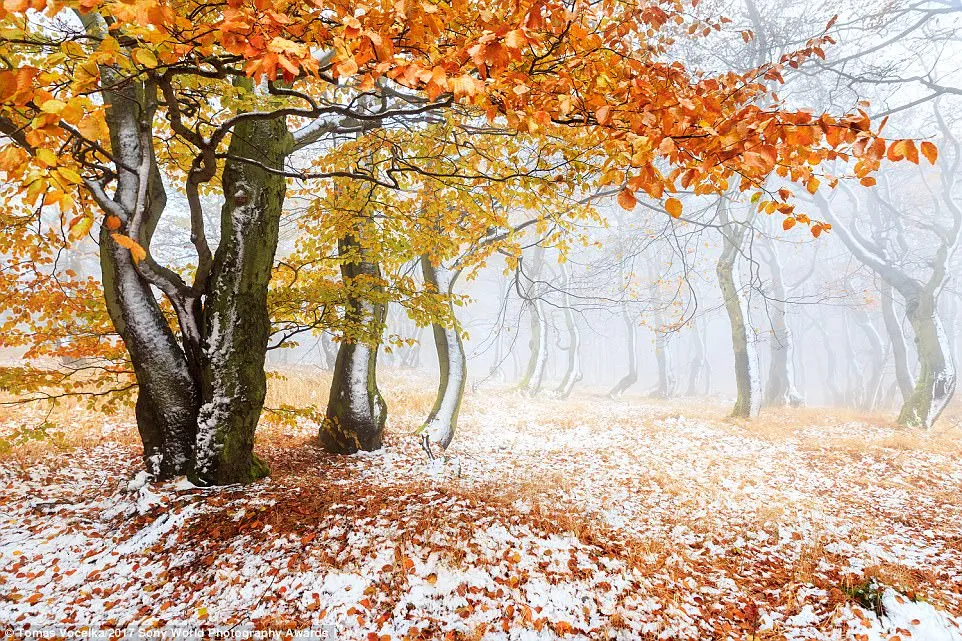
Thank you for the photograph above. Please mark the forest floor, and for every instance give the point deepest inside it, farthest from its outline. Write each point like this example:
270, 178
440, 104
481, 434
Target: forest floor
585, 518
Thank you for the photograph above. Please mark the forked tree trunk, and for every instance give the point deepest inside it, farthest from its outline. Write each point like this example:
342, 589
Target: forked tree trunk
356, 412
573, 369
936, 377
236, 319
168, 394
442, 422
631, 346
747, 377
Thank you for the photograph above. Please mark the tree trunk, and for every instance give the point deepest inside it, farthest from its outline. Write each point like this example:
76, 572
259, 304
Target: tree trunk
893, 326
443, 420
236, 319
936, 377
666, 378
699, 363
781, 389
873, 385
747, 377
168, 394
533, 377
356, 411
631, 377
573, 370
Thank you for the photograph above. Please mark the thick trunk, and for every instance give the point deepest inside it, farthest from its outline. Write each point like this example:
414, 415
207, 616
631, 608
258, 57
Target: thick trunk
168, 394
236, 319
893, 327
936, 375
443, 420
356, 411
631, 377
573, 369
168, 397
747, 377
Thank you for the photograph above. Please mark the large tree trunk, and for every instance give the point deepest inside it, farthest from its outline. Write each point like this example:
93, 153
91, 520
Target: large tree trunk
443, 420
355, 410
168, 394
631, 377
573, 370
236, 319
936, 375
747, 377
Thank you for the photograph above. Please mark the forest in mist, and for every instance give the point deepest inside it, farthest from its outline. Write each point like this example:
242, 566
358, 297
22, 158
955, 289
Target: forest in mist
456, 319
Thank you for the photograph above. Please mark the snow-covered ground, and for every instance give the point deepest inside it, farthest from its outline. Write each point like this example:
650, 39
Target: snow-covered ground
587, 518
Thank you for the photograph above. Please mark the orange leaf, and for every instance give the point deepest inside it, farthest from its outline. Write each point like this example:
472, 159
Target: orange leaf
813, 184
930, 151
137, 252
788, 223
627, 200
603, 115
868, 181
674, 207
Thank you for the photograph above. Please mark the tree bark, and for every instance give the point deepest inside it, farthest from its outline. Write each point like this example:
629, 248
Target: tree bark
573, 372
893, 326
442, 422
356, 412
781, 389
747, 378
700, 366
936, 376
533, 377
236, 319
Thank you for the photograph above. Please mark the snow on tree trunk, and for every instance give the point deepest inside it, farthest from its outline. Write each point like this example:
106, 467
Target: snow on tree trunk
631, 377
236, 319
573, 369
168, 395
356, 412
747, 377
936, 375
443, 420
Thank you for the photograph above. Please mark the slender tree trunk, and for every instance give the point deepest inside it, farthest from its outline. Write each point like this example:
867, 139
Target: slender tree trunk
356, 411
631, 377
699, 363
781, 389
442, 422
573, 369
893, 326
747, 377
666, 377
873, 384
936, 378
236, 318
533, 377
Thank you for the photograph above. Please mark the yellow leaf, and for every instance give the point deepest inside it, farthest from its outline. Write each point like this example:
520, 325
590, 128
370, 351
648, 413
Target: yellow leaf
53, 106
674, 207
137, 252
81, 227
145, 58
47, 157
69, 175
813, 184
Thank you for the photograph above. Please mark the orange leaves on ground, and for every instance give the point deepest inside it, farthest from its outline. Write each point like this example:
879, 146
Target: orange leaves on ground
137, 252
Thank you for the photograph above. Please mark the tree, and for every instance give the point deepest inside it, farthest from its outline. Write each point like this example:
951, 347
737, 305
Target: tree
107, 105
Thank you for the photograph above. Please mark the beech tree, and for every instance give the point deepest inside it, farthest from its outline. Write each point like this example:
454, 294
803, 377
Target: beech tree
106, 106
